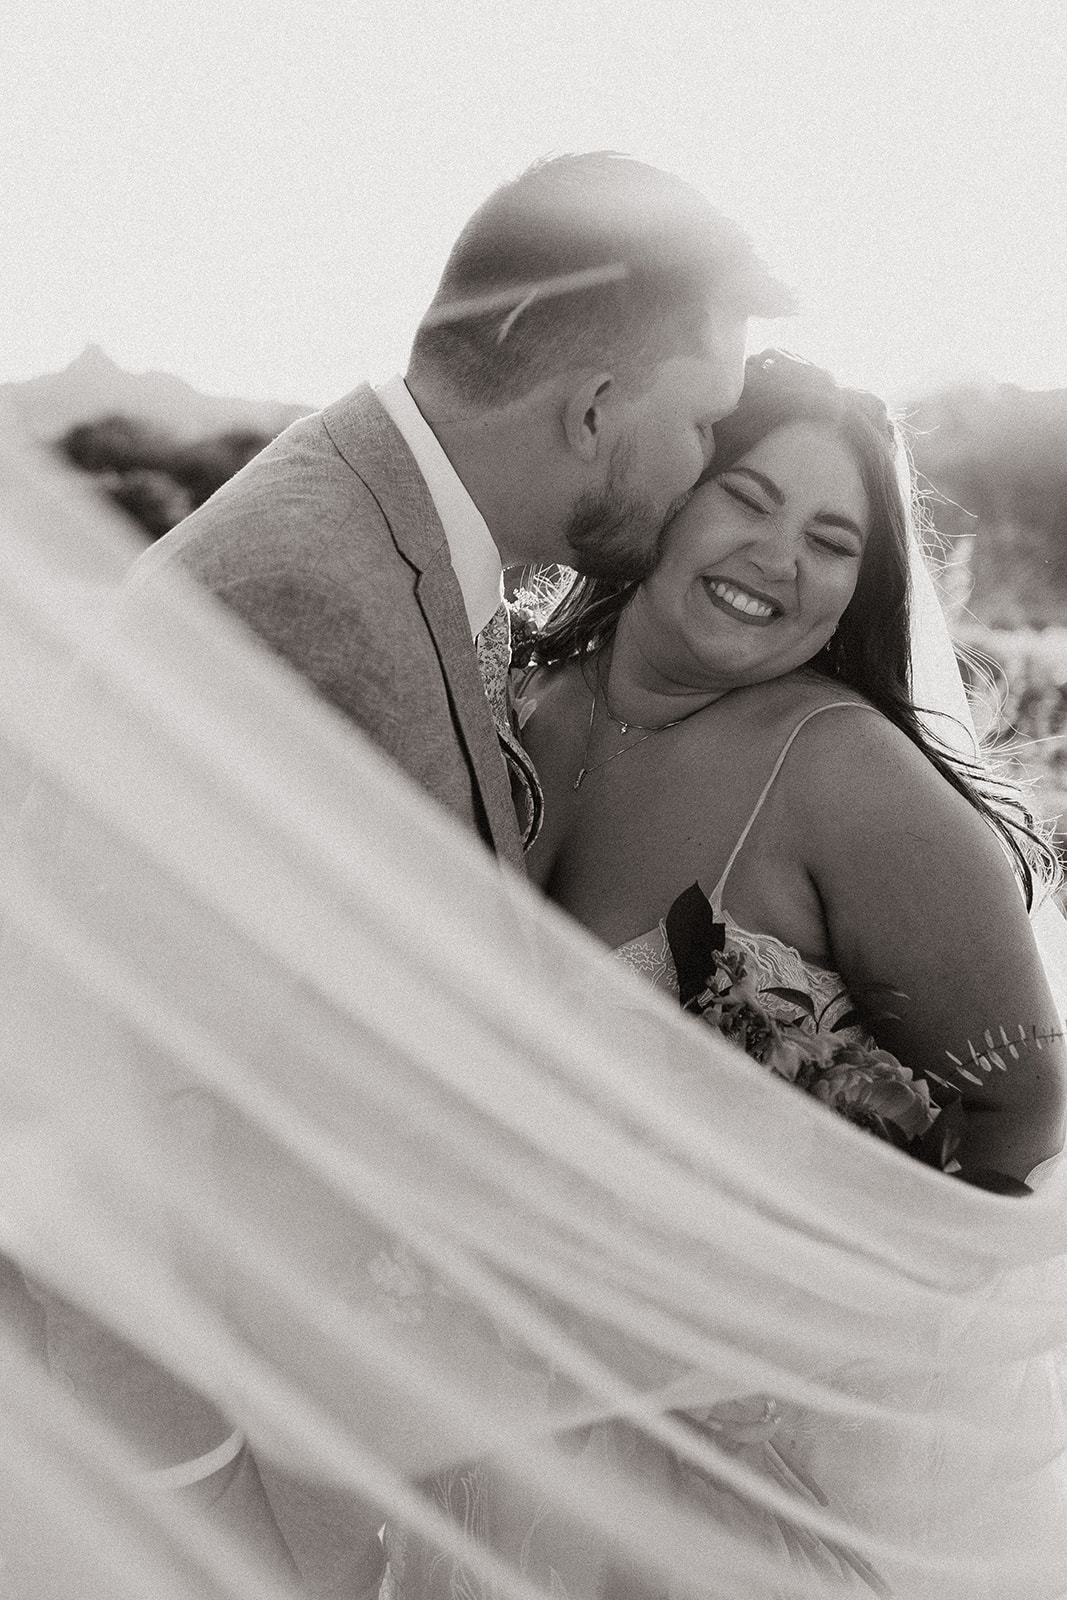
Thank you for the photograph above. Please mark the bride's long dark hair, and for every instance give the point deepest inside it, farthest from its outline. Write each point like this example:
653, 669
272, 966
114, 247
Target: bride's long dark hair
870, 651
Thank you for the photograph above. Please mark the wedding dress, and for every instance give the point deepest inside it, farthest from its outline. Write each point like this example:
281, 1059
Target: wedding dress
343, 1130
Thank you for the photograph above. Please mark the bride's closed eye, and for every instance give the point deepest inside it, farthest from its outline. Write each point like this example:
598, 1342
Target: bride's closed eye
835, 547
746, 500
821, 540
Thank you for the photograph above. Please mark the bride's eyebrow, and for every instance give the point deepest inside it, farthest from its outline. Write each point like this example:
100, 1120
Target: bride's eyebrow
829, 519
768, 485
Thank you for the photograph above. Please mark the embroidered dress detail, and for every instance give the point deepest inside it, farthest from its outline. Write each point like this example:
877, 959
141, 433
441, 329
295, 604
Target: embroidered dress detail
775, 966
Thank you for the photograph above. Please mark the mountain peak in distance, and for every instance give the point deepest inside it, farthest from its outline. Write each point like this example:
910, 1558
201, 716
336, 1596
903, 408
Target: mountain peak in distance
92, 386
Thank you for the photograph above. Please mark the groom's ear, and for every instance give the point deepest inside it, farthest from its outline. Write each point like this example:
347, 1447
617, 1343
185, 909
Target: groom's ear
584, 416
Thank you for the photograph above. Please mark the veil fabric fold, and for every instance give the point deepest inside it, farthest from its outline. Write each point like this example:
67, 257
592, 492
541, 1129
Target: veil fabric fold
342, 1137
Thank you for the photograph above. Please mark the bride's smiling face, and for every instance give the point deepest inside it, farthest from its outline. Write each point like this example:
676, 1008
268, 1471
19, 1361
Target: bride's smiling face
757, 569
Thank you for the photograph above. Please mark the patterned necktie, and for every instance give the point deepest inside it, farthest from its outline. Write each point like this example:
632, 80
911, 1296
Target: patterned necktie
494, 659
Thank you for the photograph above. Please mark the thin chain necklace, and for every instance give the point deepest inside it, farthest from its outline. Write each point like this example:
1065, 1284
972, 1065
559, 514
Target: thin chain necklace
646, 733
624, 727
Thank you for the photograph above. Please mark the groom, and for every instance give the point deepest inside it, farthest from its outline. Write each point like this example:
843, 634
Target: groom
588, 331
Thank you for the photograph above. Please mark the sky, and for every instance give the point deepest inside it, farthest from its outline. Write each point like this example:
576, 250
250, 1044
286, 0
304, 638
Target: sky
260, 197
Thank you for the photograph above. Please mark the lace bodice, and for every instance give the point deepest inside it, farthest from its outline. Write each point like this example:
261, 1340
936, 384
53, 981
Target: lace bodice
774, 965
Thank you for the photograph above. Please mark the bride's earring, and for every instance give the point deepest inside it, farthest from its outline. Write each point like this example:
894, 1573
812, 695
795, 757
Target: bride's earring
831, 654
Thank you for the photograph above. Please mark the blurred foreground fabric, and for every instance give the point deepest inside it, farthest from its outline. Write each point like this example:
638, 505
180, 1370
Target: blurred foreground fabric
319, 1126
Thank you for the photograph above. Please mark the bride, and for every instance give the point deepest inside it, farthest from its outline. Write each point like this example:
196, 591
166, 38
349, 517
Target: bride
743, 720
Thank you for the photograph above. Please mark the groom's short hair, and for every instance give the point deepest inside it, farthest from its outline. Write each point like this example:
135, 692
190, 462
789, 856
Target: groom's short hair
592, 260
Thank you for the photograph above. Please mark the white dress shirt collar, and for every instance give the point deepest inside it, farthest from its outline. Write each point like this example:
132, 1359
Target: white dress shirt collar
475, 558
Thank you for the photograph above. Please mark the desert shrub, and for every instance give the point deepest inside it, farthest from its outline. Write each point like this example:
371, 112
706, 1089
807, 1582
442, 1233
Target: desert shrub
153, 499
155, 478
116, 443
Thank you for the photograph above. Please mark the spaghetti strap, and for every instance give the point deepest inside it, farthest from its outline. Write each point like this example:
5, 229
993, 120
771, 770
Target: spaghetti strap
715, 897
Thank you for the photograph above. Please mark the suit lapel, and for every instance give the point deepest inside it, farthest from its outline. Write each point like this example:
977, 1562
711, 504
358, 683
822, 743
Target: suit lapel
366, 437
442, 605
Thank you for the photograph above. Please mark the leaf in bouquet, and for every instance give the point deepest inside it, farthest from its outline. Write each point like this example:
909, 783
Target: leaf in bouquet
875, 996
851, 1019
889, 1132
994, 1180
939, 1145
795, 997
695, 940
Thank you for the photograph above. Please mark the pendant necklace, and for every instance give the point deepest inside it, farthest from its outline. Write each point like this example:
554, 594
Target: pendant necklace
624, 727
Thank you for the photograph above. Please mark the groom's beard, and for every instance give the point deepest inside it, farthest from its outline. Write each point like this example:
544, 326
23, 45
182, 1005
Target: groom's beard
615, 534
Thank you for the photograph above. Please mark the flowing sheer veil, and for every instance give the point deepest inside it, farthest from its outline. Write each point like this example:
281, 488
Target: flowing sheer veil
321, 1128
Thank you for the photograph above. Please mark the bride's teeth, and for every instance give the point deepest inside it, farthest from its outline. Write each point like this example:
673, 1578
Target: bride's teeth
742, 602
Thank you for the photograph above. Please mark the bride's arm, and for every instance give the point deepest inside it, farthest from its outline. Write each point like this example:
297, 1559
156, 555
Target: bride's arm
930, 932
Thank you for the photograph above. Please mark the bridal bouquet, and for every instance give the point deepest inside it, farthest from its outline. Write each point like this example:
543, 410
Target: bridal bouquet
864, 1084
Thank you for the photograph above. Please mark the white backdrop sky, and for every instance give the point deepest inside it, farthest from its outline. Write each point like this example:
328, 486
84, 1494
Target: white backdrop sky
259, 197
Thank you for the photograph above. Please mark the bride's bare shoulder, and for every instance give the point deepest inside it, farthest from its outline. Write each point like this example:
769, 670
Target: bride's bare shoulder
853, 773
853, 746
795, 703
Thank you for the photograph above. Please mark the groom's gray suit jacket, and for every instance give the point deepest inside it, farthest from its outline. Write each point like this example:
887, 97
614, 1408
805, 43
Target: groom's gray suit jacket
329, 547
